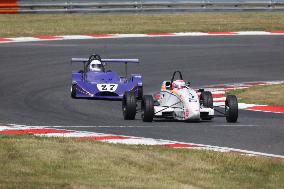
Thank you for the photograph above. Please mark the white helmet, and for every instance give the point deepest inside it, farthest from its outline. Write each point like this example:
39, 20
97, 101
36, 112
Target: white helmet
96, 66
178, 84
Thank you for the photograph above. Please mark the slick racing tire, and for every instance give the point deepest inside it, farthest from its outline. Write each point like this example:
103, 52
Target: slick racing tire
147, 106
207, 99
129, 106
73, 91
231, 109
207, 102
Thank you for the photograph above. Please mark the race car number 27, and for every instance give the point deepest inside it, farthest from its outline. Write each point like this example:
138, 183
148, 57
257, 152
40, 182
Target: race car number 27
107, 87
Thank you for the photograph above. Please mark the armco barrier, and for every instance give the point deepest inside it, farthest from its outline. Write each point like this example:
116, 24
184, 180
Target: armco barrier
97, 6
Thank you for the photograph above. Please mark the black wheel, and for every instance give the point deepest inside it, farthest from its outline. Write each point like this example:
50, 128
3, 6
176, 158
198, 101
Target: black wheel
140, 92
73, 91
206, 99
129, 106
231, 108
147, 106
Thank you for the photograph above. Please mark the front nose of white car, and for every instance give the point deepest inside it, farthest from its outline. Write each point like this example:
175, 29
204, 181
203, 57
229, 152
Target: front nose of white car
192, 111
194, 114
191, 106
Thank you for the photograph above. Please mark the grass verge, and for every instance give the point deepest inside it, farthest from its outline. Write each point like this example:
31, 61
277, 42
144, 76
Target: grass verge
32, 162
63, 24
264, 95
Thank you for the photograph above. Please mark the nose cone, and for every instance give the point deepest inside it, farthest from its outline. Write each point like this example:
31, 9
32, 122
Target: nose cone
194, 114
191, 105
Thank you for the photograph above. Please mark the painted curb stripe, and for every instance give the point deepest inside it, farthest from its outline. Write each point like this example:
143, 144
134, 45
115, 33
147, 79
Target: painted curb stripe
222, 33
5, 40
103, 137
102, 36
273, 109
49, 37
278, 32
255, 83
32, 131
160, 34
218, 93
129, 140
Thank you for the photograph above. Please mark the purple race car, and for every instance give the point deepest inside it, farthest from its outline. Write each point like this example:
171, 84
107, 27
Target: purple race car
95, 82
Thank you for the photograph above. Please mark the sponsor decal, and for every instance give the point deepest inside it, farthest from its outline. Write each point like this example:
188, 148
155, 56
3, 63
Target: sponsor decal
107, 87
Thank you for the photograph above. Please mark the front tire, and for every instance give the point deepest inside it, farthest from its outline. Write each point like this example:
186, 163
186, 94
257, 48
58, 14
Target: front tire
147, 106
207, 99
207, 102
231, 109
129, 106
73, 91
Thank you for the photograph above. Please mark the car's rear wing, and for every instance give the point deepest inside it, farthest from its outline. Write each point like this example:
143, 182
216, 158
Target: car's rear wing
106, 61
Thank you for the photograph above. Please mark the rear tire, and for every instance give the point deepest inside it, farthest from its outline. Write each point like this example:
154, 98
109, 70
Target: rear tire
129, 106
73, 91
147, 106
207, 99
231, 109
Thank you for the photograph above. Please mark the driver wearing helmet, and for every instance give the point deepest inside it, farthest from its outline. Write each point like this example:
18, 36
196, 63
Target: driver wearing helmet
178, 84
96, 66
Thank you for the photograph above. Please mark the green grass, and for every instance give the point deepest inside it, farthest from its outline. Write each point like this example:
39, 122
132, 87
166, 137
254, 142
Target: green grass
31, 162
264, 95
61, 24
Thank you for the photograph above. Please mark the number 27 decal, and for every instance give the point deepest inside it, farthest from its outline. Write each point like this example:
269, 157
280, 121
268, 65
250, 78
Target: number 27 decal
107, 87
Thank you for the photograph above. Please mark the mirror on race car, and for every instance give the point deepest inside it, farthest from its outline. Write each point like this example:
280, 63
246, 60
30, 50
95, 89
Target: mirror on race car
168, 85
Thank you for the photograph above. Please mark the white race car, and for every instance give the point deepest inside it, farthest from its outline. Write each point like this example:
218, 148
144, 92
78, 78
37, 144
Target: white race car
178, 101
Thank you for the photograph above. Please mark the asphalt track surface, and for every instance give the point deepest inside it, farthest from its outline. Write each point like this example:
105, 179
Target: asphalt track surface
35, 86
